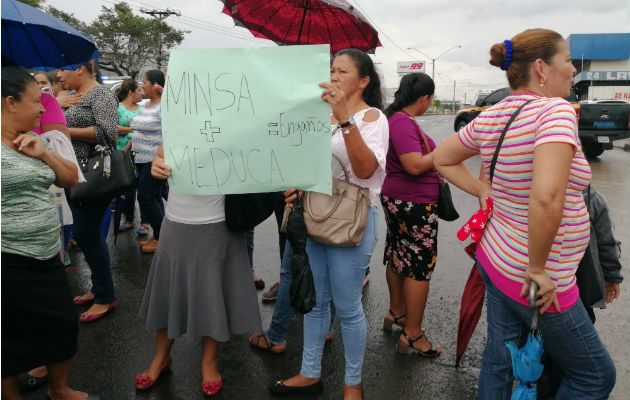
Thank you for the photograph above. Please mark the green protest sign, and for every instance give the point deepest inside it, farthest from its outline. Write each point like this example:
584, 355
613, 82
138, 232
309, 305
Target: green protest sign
247, 120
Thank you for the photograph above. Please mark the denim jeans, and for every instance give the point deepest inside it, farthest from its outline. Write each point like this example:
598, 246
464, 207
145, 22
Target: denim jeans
282, 312
338, 273
568, 336
86, 230
150, 198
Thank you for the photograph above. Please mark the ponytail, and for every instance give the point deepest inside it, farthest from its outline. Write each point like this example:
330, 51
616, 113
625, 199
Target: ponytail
412, 87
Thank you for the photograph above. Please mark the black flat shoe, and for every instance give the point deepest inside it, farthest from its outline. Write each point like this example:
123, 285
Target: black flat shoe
260, 284
32, 382
280, 389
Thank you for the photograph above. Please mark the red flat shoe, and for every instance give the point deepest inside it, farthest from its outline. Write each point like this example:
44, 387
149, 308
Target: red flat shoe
85, 317
79, 301
212, 388
144, 382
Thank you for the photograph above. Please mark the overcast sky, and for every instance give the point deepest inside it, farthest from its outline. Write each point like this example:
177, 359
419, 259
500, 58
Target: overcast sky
431, 26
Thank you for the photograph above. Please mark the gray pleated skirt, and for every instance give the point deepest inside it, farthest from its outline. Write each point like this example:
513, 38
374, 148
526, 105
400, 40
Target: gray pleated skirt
200, 283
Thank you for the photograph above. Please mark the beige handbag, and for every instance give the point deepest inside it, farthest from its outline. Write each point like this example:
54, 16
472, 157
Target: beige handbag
340, 219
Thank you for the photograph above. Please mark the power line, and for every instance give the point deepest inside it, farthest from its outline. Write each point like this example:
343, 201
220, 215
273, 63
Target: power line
199, 23
371, 21
207, 26
192, 23
160, 14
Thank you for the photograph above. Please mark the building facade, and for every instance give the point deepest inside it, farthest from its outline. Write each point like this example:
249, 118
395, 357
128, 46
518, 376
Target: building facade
603, 64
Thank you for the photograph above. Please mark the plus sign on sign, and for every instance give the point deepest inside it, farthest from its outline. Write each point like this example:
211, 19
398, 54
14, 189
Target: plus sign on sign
410, 66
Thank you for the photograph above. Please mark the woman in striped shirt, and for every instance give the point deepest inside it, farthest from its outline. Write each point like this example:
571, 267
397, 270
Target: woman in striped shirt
147, 138
539, 228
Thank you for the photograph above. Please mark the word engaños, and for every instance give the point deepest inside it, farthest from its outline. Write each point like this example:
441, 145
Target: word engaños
298, 128
216, 167
201, 94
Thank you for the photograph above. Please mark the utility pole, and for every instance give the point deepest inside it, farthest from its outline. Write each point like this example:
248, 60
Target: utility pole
433, 59
454, 97
160, 15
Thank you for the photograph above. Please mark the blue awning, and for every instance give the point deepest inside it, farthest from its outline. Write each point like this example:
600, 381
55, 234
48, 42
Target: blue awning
600, 46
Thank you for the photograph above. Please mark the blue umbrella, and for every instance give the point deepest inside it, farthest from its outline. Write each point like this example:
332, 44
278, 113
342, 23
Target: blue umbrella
33, 39
526, 360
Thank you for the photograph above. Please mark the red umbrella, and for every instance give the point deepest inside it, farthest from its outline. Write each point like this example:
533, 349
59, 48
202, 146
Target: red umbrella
475, 290
470, 309
290, 22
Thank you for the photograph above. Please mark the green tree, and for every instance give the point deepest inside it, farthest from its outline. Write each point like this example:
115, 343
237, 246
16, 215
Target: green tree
68, 18
128, 42
32, 3
437, 105
167, 38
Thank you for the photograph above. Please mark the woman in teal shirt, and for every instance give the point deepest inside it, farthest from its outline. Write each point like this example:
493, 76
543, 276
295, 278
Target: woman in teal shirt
39, 318
129, 95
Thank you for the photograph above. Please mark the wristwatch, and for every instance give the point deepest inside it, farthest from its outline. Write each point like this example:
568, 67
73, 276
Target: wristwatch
346, 127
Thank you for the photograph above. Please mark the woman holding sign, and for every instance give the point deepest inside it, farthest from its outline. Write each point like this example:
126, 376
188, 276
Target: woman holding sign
200, 283
360, 140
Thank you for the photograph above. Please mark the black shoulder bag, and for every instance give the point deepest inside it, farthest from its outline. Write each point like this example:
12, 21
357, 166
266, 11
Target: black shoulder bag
445, 206
108, 172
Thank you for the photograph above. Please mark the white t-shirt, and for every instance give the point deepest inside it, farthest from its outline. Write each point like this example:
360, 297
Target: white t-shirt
195, 209
376, 137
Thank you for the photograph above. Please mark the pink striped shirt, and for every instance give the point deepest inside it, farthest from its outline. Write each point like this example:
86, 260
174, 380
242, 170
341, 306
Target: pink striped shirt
503, 246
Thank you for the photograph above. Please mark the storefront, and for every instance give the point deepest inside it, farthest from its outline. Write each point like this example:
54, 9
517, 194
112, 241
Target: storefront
603, 64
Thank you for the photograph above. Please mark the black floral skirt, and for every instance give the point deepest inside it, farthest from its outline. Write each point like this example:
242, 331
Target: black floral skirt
411, 243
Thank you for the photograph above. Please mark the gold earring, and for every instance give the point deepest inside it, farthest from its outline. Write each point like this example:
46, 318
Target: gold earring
542, 82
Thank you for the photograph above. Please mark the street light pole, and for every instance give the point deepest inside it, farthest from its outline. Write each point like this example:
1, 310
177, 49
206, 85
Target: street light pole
457, 46
454, 97
430, 58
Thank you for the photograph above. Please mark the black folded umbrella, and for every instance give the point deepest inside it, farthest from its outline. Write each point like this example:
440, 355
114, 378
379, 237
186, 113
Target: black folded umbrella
302, 291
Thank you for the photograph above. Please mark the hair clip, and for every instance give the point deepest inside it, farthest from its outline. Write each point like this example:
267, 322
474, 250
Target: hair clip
508, 55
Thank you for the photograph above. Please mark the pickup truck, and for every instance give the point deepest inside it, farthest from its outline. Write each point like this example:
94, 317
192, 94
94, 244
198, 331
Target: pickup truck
599, 122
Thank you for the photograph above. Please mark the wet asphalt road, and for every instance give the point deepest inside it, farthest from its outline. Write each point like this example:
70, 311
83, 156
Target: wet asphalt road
113, 350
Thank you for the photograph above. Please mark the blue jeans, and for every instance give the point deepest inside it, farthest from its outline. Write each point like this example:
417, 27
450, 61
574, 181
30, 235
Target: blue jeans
150, 198
338, 273
569, 337
86, 230
282, 312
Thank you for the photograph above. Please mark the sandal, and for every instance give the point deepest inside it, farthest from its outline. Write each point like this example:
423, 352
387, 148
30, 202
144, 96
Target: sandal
125, 227
389, 323
259, 340
143, 230
403, 348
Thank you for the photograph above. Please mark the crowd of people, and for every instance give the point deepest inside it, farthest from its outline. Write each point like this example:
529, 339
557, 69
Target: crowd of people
201, 281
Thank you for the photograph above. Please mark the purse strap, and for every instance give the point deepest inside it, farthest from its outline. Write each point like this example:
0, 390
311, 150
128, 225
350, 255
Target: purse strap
345, 171
507, 126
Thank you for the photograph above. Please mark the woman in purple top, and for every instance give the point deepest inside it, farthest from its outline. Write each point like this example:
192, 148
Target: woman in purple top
409, 197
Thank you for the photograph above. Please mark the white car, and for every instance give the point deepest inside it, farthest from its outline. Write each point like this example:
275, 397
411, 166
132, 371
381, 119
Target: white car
115, 84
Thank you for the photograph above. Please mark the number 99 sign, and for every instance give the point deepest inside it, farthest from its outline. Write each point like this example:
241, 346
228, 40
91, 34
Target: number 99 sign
405, 67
